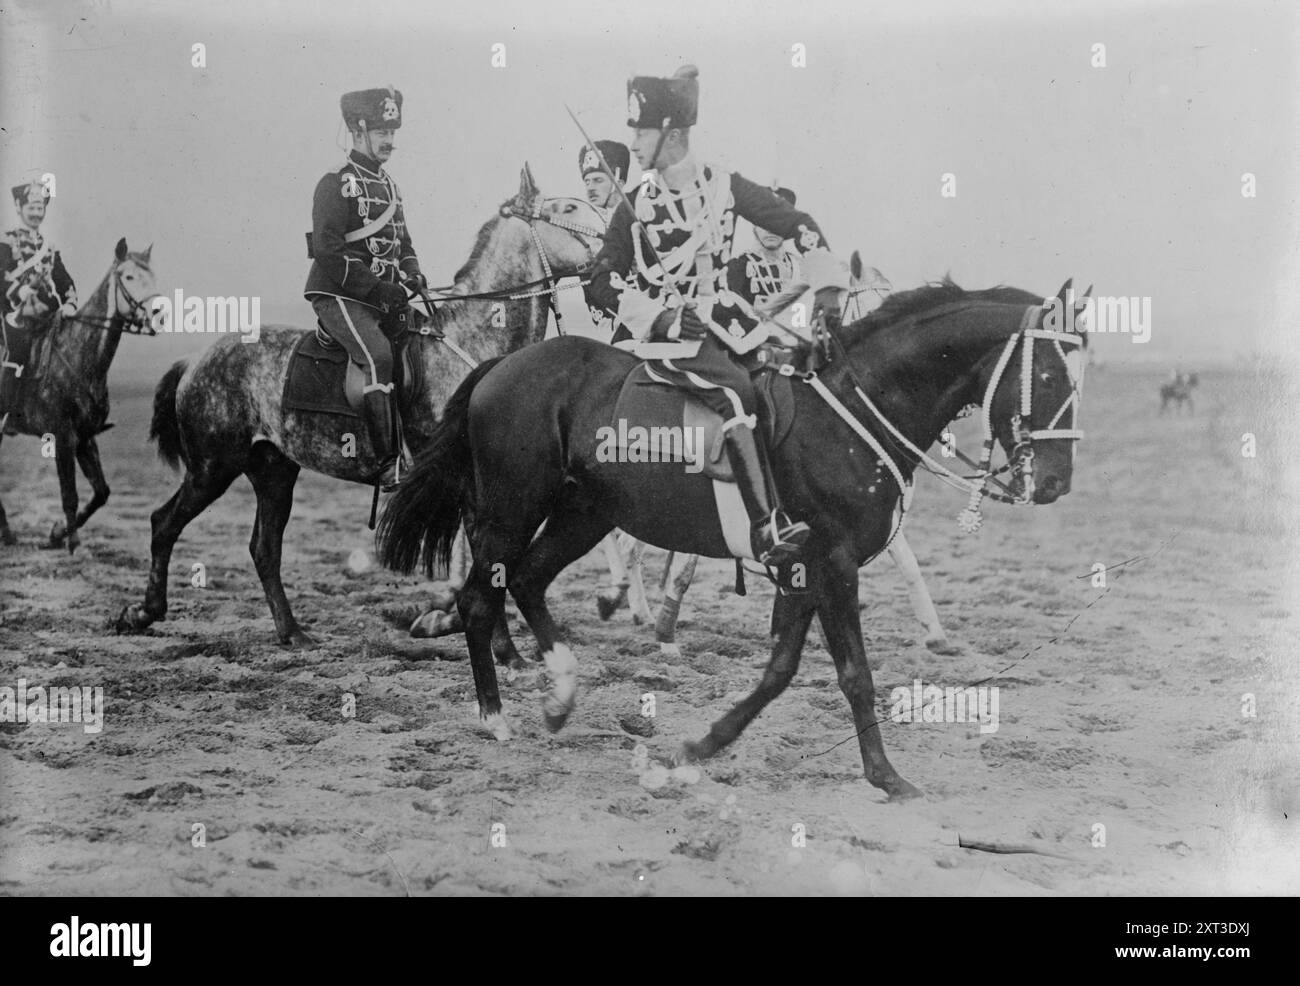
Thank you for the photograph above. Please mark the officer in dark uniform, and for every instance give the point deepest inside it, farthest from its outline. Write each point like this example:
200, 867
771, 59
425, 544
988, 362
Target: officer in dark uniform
687, 209
603, 198
362, 256
33, 282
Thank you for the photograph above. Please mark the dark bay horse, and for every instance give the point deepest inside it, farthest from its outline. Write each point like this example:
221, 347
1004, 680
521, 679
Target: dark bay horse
222, 416
70, 400
518, 441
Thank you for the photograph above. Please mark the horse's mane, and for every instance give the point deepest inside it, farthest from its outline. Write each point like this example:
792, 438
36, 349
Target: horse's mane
904, 304
476, 254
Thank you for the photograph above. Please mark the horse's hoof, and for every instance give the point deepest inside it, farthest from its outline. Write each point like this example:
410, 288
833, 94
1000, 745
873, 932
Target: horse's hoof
607, 605
670, 650
901, 790
7, 537
942, 645
555, 713
437, 624
442, 597
298, 638
498, 726
74, 542
131, 619
687, 753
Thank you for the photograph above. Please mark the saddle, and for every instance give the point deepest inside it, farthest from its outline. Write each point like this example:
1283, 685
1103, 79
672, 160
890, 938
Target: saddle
323, 380
651, 403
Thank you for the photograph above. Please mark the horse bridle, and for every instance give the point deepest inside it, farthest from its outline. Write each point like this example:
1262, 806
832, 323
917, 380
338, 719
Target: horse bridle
1019, 462
138, 319
577, 230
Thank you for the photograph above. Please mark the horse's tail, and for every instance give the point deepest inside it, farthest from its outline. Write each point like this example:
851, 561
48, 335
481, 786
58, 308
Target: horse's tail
422, 518
165, 427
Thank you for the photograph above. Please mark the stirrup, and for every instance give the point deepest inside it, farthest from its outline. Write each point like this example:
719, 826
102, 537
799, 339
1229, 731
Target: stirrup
778, 538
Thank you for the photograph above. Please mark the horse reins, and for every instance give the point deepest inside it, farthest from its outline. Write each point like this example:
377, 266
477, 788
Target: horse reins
547, 284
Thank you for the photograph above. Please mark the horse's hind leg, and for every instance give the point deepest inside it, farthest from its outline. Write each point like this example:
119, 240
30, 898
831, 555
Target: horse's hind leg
609, 599
273, 477
198, 490
569, 534
681, 573
481, 604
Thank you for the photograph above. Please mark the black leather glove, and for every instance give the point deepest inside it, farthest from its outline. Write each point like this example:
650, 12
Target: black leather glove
693, 327
389, 297
662, 324
416, 282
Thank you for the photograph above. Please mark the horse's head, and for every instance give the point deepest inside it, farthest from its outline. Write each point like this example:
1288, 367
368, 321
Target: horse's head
532, 238
131, 288
1037, 381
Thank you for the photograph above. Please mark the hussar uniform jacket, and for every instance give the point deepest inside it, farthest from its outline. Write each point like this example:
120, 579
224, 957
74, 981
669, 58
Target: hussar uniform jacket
359, 236
26, 257
692, 230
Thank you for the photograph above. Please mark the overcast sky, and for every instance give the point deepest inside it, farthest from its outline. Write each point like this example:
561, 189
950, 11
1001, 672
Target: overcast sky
1129, 176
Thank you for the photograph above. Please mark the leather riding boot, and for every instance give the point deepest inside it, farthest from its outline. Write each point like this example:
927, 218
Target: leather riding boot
378, 408
774, 537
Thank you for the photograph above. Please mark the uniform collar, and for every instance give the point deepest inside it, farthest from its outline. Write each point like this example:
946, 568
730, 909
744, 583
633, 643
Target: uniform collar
366, 163
684, 172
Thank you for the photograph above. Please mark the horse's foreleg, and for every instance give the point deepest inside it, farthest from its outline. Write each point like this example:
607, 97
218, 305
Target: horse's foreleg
197, 491
568, 535
634, 551
842, 631
792, 616
900, 552
65, 463
273, 477
93, 470
681, 574
6, 535
614, 595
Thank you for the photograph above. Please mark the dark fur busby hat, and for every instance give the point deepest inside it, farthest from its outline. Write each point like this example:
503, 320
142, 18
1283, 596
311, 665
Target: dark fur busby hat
32, 191
652, 101
616, 156
372, 109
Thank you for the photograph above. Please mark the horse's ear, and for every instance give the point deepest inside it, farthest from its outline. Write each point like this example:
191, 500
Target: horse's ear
1060, 295
120, 252
1088, 293
527, 187
145, 256
855, 268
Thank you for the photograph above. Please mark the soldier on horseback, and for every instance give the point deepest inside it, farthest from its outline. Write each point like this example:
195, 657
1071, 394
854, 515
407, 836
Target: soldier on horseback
603, 198
362, 256
33, 283
685, 211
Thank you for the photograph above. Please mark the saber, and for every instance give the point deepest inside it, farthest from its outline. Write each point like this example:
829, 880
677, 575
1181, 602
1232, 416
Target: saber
623, 197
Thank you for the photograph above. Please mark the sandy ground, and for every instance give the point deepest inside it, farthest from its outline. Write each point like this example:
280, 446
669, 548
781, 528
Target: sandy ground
1121, 709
